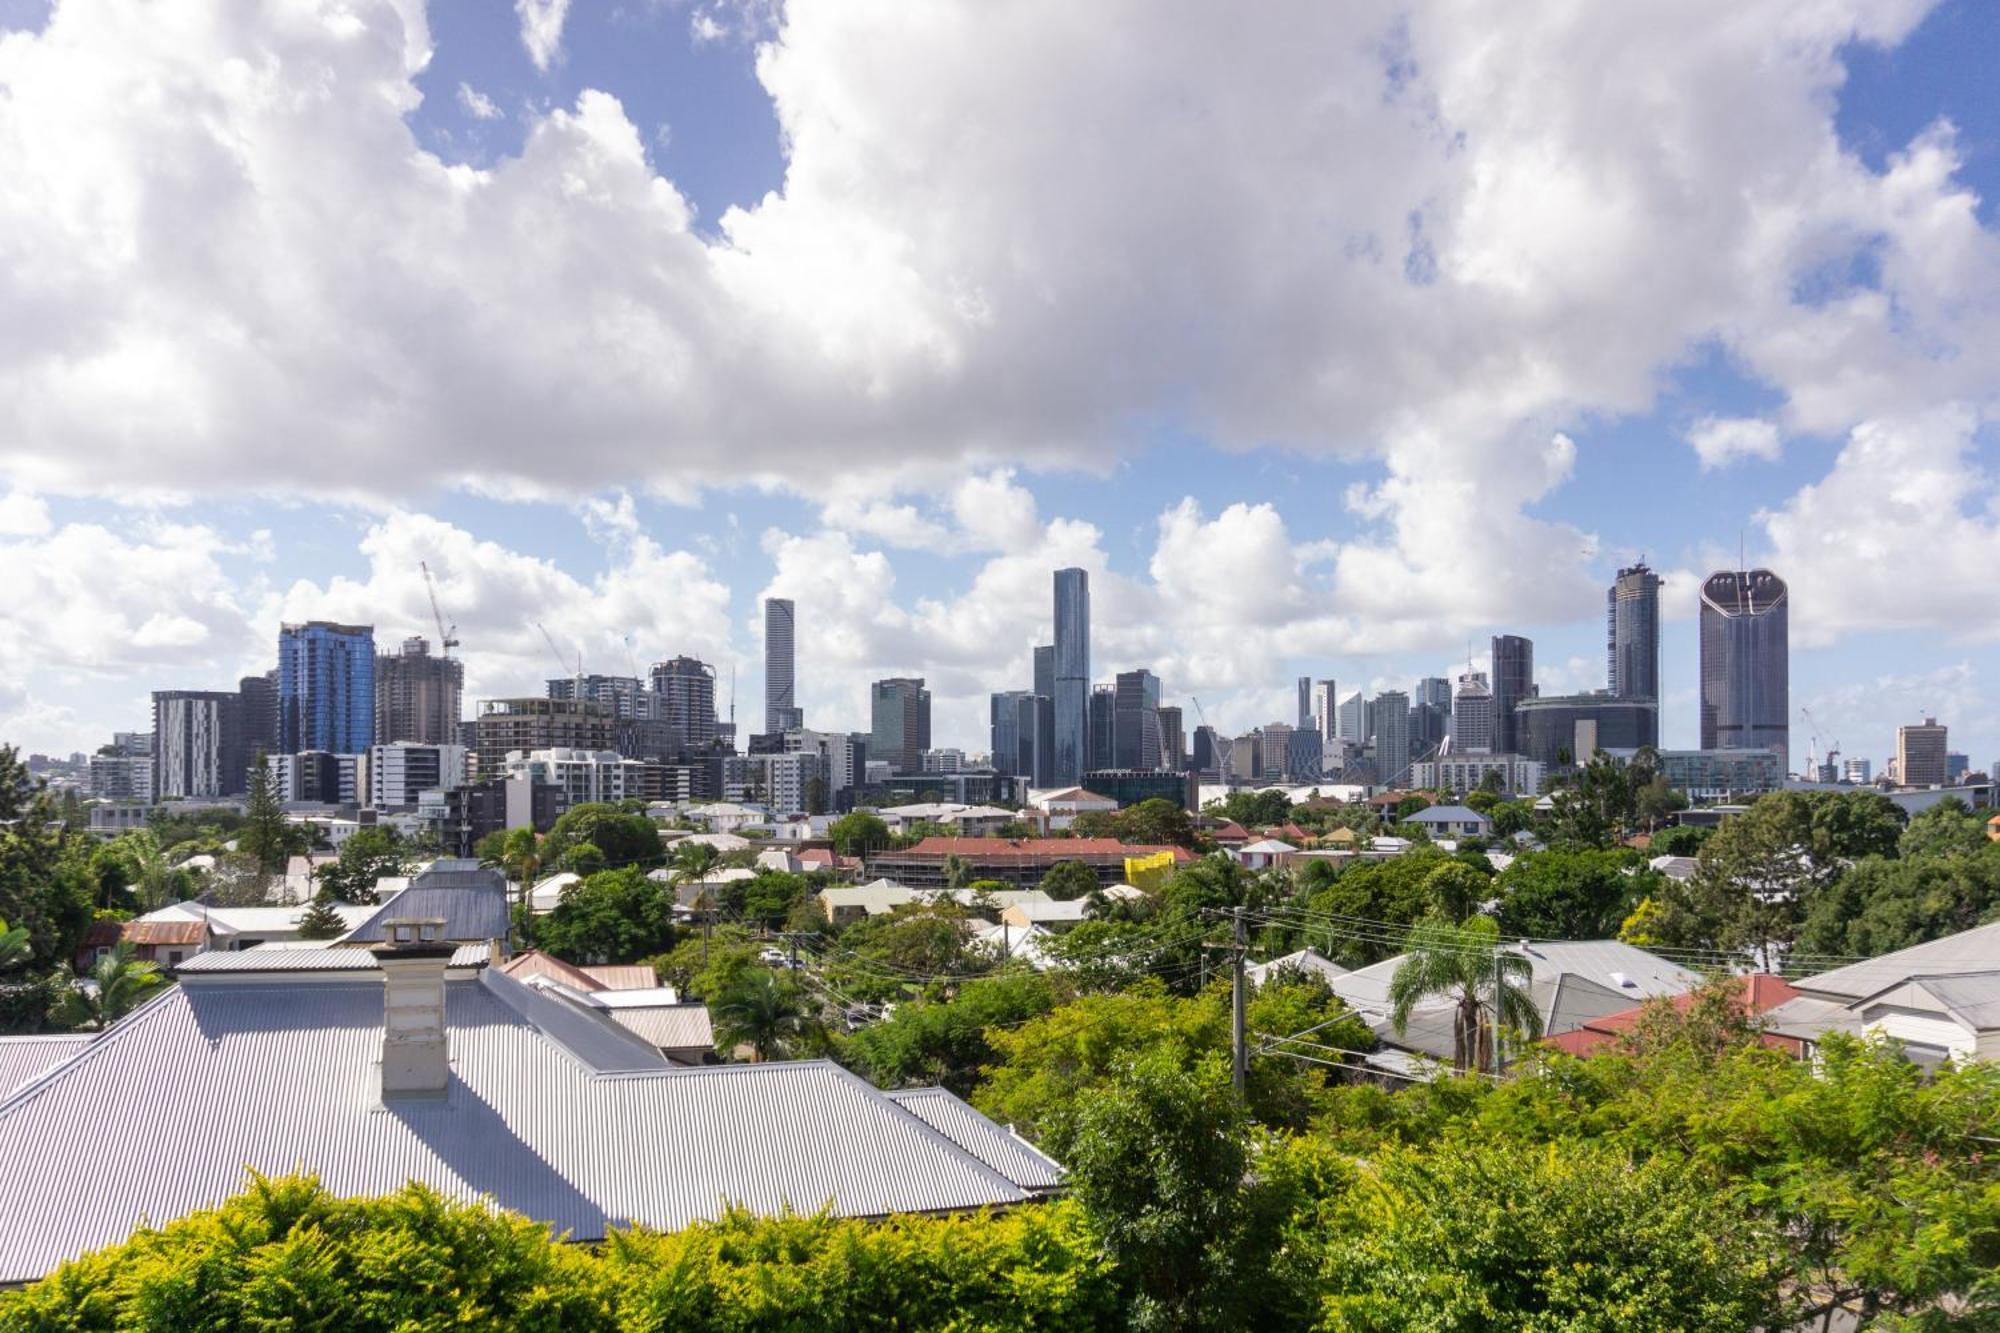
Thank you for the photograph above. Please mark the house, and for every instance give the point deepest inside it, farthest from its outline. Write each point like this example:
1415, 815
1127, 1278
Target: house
1228, 833
25, 1058
1940, 1000
1010, 941
165, 929
1264, 854
547, 894
779, 860
968, 819
1569, 983
877, 898
597, 977
1053, 914
1017, 861
722, 842
1309, 962
726, 816
418, 1061
1756, 995
471, 900
1059, 807
1451, 821
1677, 868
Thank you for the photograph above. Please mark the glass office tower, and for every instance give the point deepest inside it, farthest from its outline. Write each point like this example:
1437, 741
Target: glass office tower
1745, 669
1072, 679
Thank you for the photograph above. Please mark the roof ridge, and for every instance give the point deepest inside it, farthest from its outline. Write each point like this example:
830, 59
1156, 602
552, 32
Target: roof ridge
100, 1040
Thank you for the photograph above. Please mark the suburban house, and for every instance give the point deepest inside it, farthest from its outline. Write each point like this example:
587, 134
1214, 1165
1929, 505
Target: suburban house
1941, 1000
1451, 821
1263, 854
876, 898
470, 898
1017, 861
1756, 995
973, 820
418, 1060
1308, 962
1051, 914
1059, 808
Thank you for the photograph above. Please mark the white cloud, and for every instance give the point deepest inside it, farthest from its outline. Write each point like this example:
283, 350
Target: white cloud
1720, 441
542, 29
23, 515
476, 104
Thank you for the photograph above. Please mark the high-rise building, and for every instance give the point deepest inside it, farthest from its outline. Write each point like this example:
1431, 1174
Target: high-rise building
257, 696
1391, 709
1101, 719
198, 745
686, 687
780, 625
1351, 724
506, 725
1045, 670
1210, 751
900, 713
1858, 771
1173, 740
1956, 766
1921, 755
399, 773
1305, 686
1558, 730
1435, 691
1135, 726
1430, 715
418, 698
838, 754
1632, 633
1326, 709
1745, 670
1246, 758
326, 688
1012, 715
1472, 720
1513, 680
1072, 676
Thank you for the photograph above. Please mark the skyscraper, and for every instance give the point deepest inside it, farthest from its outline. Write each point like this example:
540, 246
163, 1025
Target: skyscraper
198, 744
418, 697
1072, 675
1135, 725
1430, 715
900, 717
686, 686
326, 688
1472, 719
780, 711
1326, 709
1632, 633
1745, 668
1013, 718
1513, 680
258, 696
1391, 710
1209, 752
1352, 721
1173, 743
1305, 722
1920, 755
1101, 725
1045, 670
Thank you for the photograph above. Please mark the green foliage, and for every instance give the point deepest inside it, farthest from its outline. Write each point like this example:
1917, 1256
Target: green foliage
15, 946
1881, 905
1456, 889
365, 858
1156, 822
1572, 895
1066, 880
320, 921
1680, 840
615, 916
858, 834
46, 886
1485, 984
703, 965
1396, 891
1947, 828
266, 836
945, 1043
764, 1010
883, 957
1252, 809
113, 988
621, 837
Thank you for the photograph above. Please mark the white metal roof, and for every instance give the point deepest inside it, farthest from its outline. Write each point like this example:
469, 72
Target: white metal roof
316, 958
1975, 950
998, 1147
24, 1058
1309, 961
209, 1080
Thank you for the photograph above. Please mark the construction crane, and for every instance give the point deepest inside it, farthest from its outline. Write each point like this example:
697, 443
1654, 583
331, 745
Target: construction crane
1812, 744
561, 665
447, 638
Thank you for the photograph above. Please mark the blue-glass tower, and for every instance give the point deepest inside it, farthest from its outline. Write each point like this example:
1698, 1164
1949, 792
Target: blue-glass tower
1072, 677
326, 688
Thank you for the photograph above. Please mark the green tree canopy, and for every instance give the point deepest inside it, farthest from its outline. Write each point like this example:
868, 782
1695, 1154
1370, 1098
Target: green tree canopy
614, 916
1572, 895
858, 834
1067, 880
623, 838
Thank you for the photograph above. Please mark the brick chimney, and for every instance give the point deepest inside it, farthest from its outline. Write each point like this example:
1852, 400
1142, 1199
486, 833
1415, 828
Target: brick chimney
415, 1062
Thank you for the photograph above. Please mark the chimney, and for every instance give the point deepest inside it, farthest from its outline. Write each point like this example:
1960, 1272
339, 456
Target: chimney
414, 1059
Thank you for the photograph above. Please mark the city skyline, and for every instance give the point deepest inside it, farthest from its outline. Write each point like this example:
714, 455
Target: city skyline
1523, 392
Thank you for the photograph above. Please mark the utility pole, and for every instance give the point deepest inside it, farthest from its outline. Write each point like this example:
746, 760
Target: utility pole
1239, 1049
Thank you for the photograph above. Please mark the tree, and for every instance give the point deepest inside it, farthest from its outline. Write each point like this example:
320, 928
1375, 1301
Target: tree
110, 990
1456, 890
45, 882
267, 837
763, 1010
1156, 822
1069, 880
1945, 828
1881, 905
320, 921
1254, 809
944, 1042
519, 855
858, 834
365, 858
1486, 985
615, 916
15, 948
1680, 840
1572, 895
957, 871
623, 838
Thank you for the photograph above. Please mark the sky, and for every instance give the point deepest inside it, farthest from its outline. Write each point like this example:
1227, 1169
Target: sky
1331, 343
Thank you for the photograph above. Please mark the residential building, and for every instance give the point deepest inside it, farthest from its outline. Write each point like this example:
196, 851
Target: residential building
1351, 722
1473, 729
1938, 1000
900, 713
401, 772
686, 687
1745, 671
1861, 772
1451, 821
1246, 758
944, 759
1632, 633
418, 697
1305, 717
979, 787
1173, 742
326, 687
1920, 754
1135, 728
585, 776
1060, 808
1558, 730
1275, 739
257, 697
315, 777
781, 712
1468, 772
1714, 775
1326, 709
837, 755
118, 777
1016, 861
505, 726
1072, 675
495, 804
198, 745
1513, 667
794, 783
1391, 729
622, 696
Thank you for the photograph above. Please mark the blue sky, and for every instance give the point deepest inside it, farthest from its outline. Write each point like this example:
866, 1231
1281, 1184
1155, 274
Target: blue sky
817, 394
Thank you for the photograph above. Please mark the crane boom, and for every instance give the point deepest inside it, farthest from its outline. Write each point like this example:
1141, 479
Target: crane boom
447, 638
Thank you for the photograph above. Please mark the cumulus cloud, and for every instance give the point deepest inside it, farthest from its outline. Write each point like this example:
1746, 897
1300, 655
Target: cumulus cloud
542, 29
23, 515
476, 104
1720, 441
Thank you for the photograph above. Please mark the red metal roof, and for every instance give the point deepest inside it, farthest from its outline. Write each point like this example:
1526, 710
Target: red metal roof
1763, 992
153, 933
1000, 849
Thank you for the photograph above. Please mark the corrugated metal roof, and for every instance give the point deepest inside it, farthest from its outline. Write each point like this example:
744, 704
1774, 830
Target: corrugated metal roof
208, 1080
1000, 1148
306, 960
1309, 961
1974, 950
472, 903
670, 1027
24, 1058
1972, 998
153, 933
623, 976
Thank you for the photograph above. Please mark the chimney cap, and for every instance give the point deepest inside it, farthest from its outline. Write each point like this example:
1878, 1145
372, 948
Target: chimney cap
413, 937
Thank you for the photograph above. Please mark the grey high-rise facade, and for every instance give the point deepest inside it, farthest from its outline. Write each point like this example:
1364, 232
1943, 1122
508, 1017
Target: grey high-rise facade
1745, 667
1326, 709
198, 747
1072, 675
1045, 670
1209, 752
1173, 740
1391, 718
1472, 718
1430, 715
1632, 633
1351, 724
259, 701
1305, 687
686, 687
1135, 722
1513, 680
781, 712
1558, 730
1012, 716
418, 698
1101, 728
900, 718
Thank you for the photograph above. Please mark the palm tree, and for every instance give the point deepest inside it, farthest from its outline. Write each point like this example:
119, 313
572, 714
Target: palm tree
692, 863
761, 1010
957, 871
156, 878
14, 947
520, 858
1465, 963
110, 990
